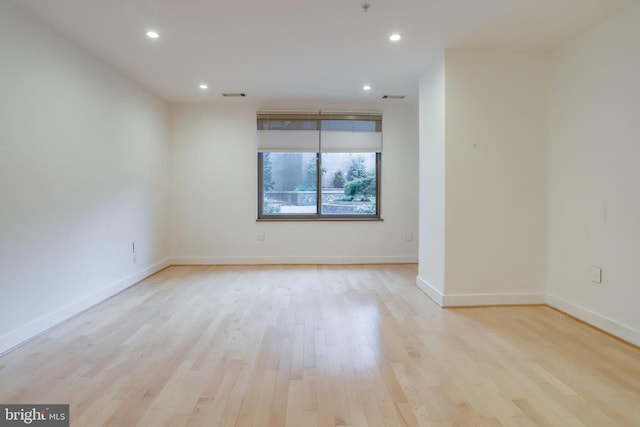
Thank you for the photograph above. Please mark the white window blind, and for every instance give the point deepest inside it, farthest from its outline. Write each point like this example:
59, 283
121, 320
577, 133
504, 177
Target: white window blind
304, 141
350, 142
330, 133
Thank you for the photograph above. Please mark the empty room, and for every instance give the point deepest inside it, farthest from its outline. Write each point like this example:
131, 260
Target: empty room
319, 213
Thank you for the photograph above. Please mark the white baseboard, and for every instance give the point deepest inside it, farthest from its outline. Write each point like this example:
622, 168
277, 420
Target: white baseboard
41, 325
431, 292
294, 260
595, 319
604, 323
466, 300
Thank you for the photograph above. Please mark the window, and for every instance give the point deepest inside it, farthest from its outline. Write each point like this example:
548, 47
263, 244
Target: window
319, 166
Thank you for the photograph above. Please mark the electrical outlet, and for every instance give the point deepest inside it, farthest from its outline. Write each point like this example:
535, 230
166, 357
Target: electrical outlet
133, 253
596, 274
260, 235
408, 236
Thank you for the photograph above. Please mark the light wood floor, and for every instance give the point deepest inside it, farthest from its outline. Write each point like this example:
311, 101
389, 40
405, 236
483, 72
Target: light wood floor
320, 346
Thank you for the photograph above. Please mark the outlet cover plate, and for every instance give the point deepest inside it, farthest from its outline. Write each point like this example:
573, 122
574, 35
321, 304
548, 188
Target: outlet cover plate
596, 274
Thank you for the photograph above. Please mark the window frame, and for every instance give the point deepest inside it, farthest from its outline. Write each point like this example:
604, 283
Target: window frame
318, 215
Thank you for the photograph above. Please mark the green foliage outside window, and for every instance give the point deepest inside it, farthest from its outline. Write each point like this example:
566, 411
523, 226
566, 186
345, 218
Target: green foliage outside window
357, 169
338, 180
271, 206
267, 172
362, 184
361, 188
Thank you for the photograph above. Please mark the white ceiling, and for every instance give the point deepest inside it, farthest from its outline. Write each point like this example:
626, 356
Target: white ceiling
304, 50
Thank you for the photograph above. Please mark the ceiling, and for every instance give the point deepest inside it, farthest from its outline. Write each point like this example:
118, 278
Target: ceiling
304, 50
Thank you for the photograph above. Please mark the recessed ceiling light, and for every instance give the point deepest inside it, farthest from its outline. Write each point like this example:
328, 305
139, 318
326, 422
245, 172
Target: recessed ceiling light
395, 37
204, 86
152, 34
366, 87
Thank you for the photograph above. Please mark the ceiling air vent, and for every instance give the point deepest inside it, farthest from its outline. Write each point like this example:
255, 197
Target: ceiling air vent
234, 95
392, 96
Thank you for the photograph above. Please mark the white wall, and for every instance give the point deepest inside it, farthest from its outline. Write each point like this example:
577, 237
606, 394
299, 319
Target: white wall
496, 166
83, 161
431, 277
214, 196
594, 174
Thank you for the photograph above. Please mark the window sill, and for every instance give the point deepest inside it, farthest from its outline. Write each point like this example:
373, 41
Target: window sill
319, 219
